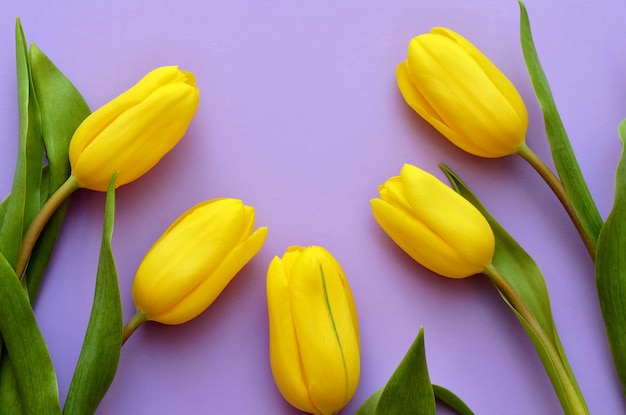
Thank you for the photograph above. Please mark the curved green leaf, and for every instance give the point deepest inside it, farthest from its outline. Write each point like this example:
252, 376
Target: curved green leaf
9, 395
450, 399
100, 354
409, 390
34, 374
62, 110
562, 153
611, 268
24, 202
521, 271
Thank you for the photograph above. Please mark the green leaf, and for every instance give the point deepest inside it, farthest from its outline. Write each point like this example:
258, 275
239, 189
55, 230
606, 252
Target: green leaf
34, 374
9, 395
24, 202
409, 390
62, 110
562, 153
523, 274
369, 406
450, 399
100, 354
611, 268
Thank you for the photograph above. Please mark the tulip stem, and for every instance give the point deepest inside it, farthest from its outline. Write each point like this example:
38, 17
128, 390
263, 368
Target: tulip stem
574, 402
559, 190
133, 324
39, 222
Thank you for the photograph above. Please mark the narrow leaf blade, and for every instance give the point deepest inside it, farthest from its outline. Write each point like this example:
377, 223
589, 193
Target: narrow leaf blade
562, 152
409, 390
611, 268
450, 399
62, 109
34, 374
24, 201
100, 354
521, 271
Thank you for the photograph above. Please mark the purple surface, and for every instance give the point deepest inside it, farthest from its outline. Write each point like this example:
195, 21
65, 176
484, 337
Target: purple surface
300, 117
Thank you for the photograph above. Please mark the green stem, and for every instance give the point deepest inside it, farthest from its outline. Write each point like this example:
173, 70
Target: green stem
575, 402
137, 320
559, 190
39, 223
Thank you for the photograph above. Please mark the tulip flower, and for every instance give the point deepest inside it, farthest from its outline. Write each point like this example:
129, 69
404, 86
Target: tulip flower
193, 261
433, 224
131, 133
314, 335
127, 136
460, 92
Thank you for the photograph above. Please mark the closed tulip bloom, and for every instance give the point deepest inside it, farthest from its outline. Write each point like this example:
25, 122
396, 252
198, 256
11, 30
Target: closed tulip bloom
457, 89
194, 260
433, 224
131, 133
314, 335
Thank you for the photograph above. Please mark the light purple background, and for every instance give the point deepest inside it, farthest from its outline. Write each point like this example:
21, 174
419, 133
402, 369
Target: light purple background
301, 118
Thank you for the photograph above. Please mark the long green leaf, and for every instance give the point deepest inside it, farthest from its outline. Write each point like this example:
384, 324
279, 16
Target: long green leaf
10, 401
24, 201
34, 374
521, 271
450, 399
611, 268
562, 153
100, 354
409, 390
62, 109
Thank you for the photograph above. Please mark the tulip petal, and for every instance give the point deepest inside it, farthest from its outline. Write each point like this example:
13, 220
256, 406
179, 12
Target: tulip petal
463, 95
195, 245
100, 119
284, 347
328, 346
138, 138
420, 242
202, 296
416, 100
449, 215
504, 85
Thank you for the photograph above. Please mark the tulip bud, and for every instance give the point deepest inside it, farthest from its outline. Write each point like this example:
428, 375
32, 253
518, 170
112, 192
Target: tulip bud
131, 133
314, 335
194, 260
435, 225
461, 93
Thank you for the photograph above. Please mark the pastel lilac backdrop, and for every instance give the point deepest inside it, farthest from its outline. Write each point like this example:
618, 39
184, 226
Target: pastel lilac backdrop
300, 117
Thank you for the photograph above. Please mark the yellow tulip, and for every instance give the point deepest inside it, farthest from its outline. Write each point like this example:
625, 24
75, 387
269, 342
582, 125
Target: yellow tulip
460, 92
433, 224
314, 335
195, 258
131, 133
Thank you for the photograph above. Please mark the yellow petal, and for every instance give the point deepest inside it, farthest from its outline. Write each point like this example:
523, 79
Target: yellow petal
420, 242
463, 96
284, 348
455, 220
504, 85
137, 138
204, 294
328, 349
187, 253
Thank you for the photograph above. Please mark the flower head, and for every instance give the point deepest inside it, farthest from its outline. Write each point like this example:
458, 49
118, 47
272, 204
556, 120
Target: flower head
433, 224
460, 92
314, 335
195, 258
131, 133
